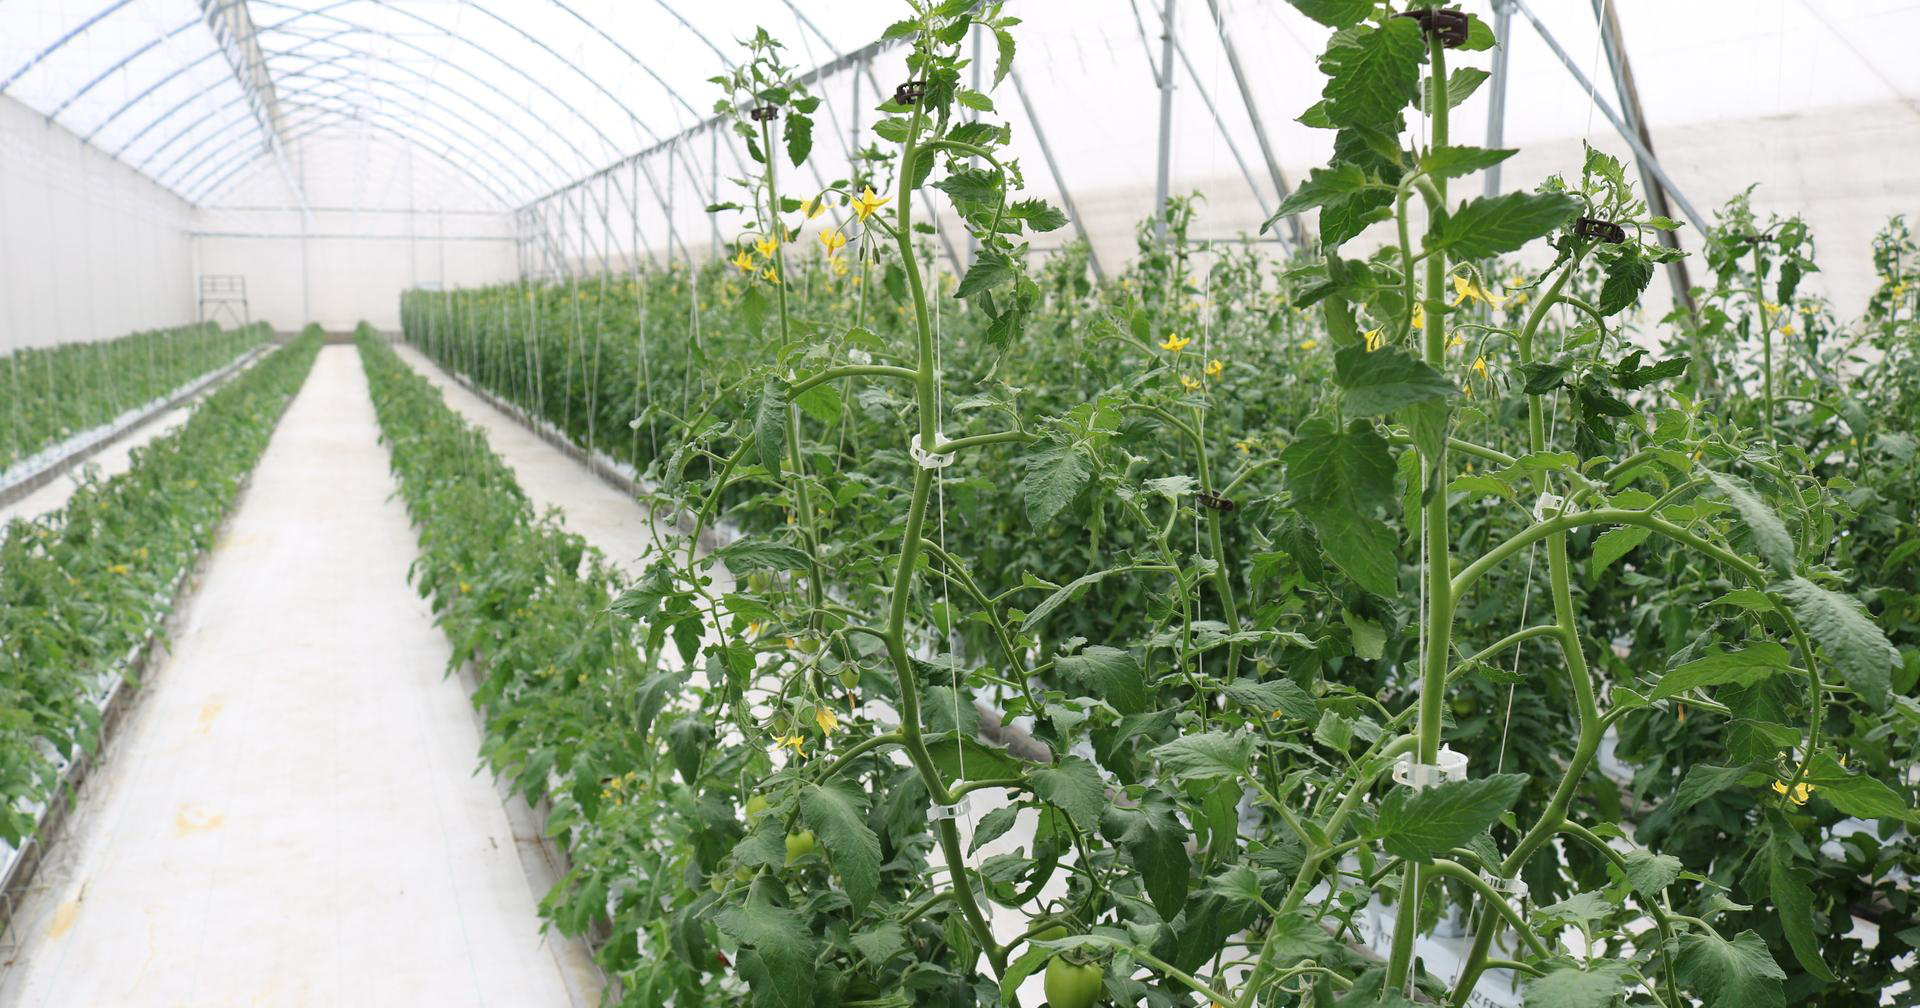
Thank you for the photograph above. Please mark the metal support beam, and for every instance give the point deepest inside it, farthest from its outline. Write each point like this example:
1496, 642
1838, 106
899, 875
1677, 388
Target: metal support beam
233, 27
1164, 170
1647, 160
1280, 188
1497, 89
1616, 46
1059, 181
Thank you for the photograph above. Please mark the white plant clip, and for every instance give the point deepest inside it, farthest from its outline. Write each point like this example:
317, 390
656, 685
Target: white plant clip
930, 460
1514, 889
1451, 766
1550, 505
937, 811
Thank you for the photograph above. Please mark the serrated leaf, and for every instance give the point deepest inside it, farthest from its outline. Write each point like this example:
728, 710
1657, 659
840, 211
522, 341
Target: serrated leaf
1003, 54
1451, 162
770, 423
782, 946
1073, 786
1794, 900
749, 554
1599, 985
1154, 840
1385, 380
1053, 478
1703, 781
1495, 225
1648, 873
1038, 214
1855, 794
1373, 72
1420, 825
1274, 697
1321, 187
1744, 667
977, 186
990, 270
1769, 534
852, 848
1627, 278
799, 135
1613, 544
1205, 757
1351, 468
879, 942
1854, 645
1335, 13
1362, 546
993, 825
1463, 82
1730, 974
1107, 673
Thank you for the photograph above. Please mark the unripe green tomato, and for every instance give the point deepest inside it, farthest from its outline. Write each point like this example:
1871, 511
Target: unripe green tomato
1073, 985
756, 807
1052, 933
849, 676
718, 883
799, 845
742, 873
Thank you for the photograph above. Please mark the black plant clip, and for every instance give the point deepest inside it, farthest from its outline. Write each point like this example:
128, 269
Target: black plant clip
1590, 229
1449, 24
910, 93
1213, 501
764, 113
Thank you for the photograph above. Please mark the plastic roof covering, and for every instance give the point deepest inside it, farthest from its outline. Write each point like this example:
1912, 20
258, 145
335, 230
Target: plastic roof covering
521, 97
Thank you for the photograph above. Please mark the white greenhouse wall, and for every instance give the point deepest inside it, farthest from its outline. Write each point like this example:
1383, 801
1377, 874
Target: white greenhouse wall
91, 249
408, 219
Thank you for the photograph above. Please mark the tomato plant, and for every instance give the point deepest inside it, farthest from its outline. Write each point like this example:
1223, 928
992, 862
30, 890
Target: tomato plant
1229, 616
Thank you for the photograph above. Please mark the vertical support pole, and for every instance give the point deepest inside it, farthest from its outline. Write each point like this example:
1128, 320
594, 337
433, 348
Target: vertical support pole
673, 173
1280, 188
713, 190
1497, 96
1629, 94
1059, 180
1164, 170
973, 162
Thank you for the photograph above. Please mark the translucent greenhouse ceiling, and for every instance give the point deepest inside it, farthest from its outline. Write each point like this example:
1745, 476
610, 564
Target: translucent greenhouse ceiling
337, 151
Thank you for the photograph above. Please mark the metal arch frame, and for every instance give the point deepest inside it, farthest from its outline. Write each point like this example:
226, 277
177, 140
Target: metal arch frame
61, 42
305, 74
311, 129
191, 180
156, 42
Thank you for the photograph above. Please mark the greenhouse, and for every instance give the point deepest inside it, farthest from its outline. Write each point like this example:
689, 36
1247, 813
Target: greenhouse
887, 503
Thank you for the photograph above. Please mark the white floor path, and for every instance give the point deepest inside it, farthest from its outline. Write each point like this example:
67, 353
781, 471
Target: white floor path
289, 816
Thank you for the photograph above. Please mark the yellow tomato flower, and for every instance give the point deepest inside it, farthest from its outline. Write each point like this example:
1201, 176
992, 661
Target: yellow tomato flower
1374, 340
1419, 316
1189, 382
1770, 307
766, 247
744, 261
866, 203
793, 742
1465, 289
1309, 344
1175, 343
813, 208
1456, 343
1801, 791
1786, 330
117, 569
833, 240
1480, 367
826, 719
772, 275
1243, 447
465, 588
1214, 367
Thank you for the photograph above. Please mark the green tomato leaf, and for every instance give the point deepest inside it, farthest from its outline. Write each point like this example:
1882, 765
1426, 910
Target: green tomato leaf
1769, 534
799, 134
1855, 794
1373, 72
852, 847
1054, 476
1107, 673
1495, 225
1335, 13
1273, 698
770, 423
1384, 380
781, 969
1419, 825
1208, 756
1795, 903
1073, 786
1854, 645
1154, 840
1730, 974
1351, 469
1744, 667
1613, 544
1648, 873
1597, 986
743, 555
1452, 162
1362, 546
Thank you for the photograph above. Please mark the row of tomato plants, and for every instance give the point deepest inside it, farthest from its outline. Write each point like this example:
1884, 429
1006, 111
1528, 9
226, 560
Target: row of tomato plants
1229, 531
83, 585
54, 392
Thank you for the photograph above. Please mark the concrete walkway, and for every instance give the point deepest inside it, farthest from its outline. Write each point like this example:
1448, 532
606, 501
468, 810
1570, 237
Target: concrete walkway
290, 814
